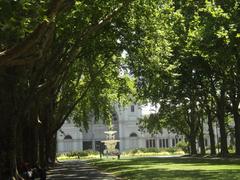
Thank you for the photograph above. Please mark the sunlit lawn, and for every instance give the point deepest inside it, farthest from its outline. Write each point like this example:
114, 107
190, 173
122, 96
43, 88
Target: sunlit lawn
171, 168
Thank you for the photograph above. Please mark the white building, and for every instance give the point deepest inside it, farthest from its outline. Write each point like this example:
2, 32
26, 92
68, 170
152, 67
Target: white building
125, 123
69, 138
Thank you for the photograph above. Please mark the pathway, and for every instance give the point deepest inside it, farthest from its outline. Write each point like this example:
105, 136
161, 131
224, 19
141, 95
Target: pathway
75, 170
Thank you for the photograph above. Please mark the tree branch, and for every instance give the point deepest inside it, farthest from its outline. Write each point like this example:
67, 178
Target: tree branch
15, 55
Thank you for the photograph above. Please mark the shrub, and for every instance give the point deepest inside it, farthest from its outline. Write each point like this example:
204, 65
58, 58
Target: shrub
231, 149
135, 151
172, 150
183, 145
79, 153
91, 152
146, 150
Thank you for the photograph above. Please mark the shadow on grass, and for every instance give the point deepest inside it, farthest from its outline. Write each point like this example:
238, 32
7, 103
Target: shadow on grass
181, 174
193, 161
177, 160
172, 168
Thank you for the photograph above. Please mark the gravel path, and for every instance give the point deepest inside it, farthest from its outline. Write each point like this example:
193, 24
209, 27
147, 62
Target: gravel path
75, 170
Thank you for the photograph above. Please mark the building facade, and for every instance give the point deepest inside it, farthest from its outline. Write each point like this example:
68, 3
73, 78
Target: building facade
125, 123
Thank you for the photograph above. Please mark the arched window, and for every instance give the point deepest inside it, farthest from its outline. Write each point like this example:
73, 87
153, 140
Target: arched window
133, 140
68, 137
133, 135
68, 143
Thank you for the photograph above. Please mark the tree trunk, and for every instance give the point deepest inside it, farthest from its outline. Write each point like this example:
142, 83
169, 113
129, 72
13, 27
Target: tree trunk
211, 133
30, 144
237, 130
48, 149
201, 140
42, 148
8, 150
222, 126
8, 123
51, 150
193, 126
19, 146
192, 138
12, 150
193, 147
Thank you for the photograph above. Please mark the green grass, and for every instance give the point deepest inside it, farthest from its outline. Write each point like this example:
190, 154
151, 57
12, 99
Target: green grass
171, 168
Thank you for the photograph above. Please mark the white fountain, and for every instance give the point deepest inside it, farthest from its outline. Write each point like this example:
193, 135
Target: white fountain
111, 143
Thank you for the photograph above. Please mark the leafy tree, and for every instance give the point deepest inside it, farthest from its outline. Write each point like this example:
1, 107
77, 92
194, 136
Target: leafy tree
67, 57
214, 39
36, 66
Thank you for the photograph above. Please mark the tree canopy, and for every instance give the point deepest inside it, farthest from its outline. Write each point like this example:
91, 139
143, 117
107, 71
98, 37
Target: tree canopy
61, 58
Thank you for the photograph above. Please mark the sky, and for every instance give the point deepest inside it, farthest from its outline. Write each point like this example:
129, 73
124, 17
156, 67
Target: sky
149, 108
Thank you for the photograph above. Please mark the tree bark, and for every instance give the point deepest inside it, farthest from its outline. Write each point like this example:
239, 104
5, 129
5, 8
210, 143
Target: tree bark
8, 151
201, 140
211, 133
193, 147
193, 134
237, 130
19, 54
53, 149
30, 144
221, 122
8, 145
193, 126
42, 148
8, 123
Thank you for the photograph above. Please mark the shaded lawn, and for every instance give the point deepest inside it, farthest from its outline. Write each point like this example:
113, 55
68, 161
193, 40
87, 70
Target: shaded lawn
171, 168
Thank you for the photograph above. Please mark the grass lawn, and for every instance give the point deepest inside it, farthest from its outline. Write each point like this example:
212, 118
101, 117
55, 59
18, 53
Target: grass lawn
163, 168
